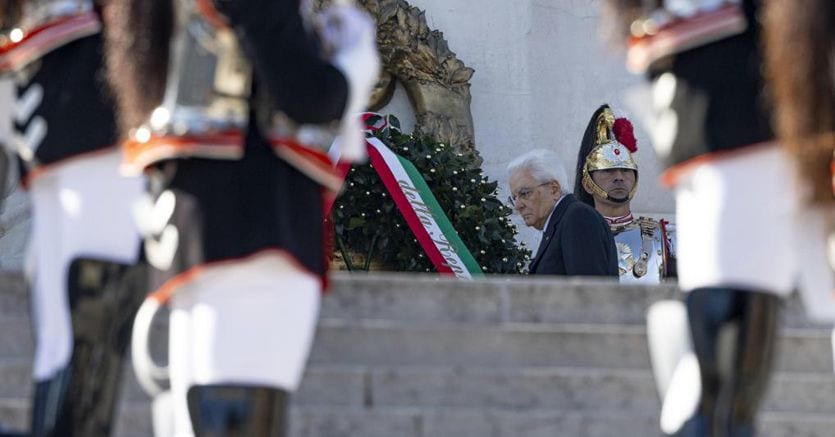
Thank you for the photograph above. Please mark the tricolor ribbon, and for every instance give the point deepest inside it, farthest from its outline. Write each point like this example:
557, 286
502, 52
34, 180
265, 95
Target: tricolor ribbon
419, 207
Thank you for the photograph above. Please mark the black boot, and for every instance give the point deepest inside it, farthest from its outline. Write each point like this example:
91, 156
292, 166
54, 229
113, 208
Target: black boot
734, 334
80, 399
695, 426
753, 362
49, 402
237, 411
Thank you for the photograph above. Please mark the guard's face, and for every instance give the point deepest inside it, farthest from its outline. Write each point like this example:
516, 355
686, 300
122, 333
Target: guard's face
616, 182
533, 200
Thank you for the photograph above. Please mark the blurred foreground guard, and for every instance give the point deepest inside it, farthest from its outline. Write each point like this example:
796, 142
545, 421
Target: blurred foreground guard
83, 296
745, 238
607, 179
230, 107
800, 38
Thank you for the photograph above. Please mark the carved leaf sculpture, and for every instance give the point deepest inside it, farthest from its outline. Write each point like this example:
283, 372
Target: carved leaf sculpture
437, 82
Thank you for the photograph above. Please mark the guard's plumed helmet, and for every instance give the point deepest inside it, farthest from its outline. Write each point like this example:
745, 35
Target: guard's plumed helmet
607, 143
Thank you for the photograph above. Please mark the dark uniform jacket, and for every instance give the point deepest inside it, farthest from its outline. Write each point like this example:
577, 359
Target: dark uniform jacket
232, 209
577, 241
718, 96
72, 113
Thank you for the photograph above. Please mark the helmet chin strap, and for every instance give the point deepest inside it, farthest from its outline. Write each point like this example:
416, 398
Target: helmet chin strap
623, 200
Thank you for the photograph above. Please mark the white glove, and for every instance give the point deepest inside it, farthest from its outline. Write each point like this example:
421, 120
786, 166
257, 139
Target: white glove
688, 8
350, 35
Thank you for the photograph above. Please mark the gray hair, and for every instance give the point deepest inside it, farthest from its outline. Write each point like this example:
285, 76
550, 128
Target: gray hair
544, 165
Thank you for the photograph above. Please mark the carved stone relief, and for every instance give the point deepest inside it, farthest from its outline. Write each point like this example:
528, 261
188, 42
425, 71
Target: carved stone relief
436, 81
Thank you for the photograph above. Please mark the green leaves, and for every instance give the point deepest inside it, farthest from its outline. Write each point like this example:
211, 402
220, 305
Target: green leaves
367, 220
355, 222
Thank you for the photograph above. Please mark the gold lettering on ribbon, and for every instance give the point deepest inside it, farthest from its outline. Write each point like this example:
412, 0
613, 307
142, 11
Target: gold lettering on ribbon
427, 219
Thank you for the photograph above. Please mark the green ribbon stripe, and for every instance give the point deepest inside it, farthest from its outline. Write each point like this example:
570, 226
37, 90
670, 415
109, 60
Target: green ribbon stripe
441, 218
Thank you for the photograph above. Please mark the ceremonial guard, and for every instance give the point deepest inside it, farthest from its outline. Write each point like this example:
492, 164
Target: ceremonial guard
607, 179
83, 292
230, 108
799, 42
733, 186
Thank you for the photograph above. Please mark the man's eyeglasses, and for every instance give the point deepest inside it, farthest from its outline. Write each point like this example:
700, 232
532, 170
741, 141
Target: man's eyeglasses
523, 193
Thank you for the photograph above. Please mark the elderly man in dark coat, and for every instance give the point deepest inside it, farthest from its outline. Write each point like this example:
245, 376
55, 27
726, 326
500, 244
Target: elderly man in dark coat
576, 240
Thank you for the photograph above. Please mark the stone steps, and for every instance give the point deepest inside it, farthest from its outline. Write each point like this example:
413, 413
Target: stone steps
436, 422
479, 423
430, 299
529, 389
421, 356
390, 343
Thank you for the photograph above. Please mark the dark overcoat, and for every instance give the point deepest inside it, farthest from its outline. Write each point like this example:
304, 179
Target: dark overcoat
577, 242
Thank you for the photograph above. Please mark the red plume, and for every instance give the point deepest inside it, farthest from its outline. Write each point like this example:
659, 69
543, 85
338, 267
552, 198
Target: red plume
624, 134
